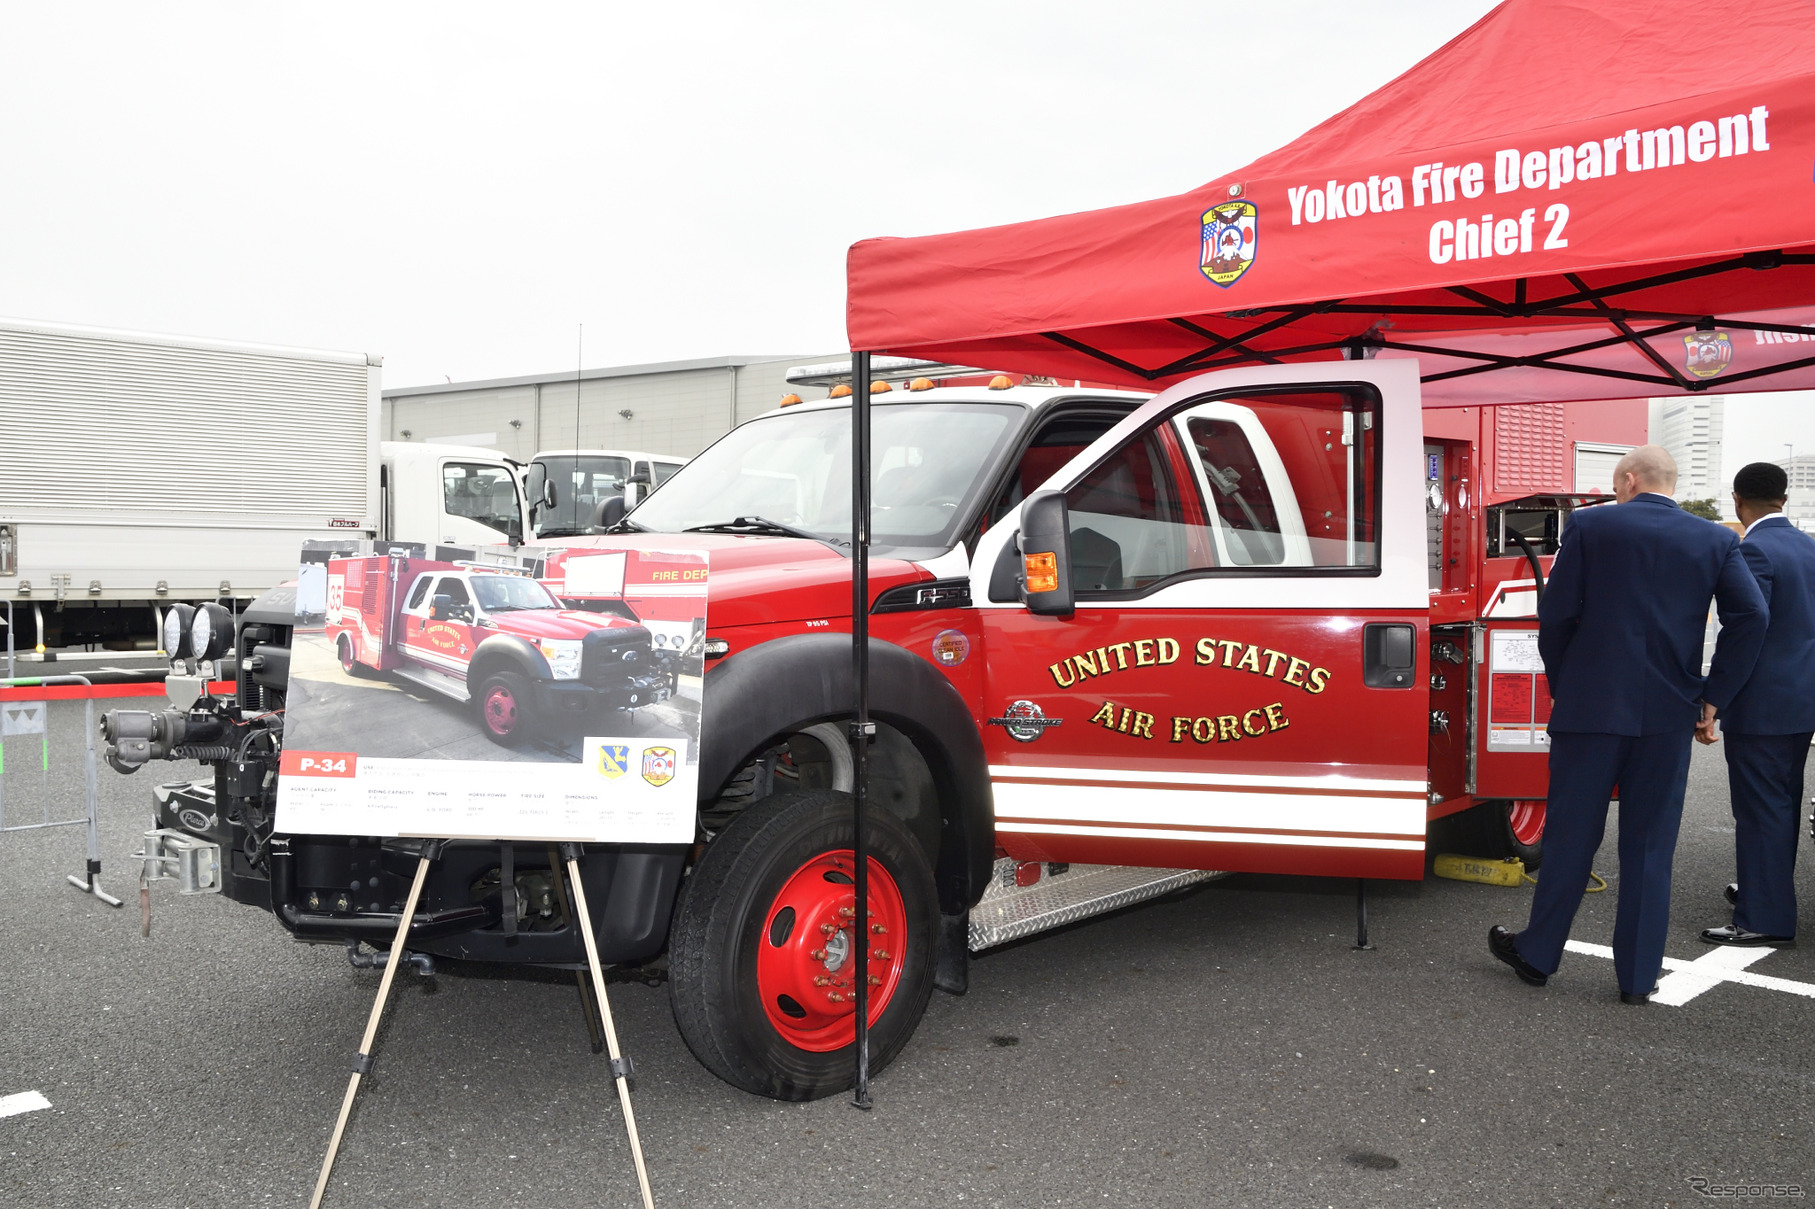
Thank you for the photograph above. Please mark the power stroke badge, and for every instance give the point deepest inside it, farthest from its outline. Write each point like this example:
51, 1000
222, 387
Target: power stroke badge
1024, 721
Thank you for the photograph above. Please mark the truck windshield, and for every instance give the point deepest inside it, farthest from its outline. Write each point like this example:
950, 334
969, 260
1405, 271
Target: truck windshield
580, 483
502, 593
928, 466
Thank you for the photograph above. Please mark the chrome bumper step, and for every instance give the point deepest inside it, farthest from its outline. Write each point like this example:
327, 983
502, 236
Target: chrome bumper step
1008, 912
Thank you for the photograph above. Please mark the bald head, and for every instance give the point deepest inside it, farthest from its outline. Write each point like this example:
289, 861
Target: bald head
1647, 468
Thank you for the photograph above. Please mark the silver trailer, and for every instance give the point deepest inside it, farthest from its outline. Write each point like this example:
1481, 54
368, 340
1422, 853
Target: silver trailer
141, 470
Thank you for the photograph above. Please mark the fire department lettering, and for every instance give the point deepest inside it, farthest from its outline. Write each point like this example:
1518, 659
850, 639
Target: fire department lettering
1158, 652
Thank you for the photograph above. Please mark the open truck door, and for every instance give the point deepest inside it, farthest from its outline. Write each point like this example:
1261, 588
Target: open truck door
1203, 634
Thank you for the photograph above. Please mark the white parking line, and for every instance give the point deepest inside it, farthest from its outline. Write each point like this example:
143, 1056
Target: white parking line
1687, 979
25, 1101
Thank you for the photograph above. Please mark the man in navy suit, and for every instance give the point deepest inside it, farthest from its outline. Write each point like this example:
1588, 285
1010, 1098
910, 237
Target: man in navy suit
1770, 721
1620, 630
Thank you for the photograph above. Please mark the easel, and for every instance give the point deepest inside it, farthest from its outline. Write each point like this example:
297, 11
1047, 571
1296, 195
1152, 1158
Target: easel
621, 1067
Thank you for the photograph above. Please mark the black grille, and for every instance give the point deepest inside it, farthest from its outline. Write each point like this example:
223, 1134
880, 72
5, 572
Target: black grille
608, 656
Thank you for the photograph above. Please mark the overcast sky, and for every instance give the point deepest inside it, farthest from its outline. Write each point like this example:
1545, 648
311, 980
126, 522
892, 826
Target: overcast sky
459, 187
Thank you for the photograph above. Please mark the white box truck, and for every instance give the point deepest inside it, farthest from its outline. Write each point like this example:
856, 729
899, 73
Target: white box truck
140, 470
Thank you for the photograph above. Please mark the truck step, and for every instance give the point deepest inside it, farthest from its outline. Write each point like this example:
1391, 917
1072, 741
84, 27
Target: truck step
1009, 912
451, 686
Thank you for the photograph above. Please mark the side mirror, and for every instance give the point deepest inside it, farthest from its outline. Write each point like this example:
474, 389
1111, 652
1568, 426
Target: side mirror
440, 607
608, 513
539, 487
1045, 541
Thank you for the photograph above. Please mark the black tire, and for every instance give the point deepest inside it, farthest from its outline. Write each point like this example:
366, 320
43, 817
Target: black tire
343, 651
506, 716
1491, 830
724, 917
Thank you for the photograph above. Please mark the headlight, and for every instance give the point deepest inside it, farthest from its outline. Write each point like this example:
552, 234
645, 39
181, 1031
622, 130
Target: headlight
563, 658
177, 619
209, 632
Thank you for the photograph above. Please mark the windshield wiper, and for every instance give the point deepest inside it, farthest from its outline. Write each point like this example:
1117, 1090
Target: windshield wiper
762, 524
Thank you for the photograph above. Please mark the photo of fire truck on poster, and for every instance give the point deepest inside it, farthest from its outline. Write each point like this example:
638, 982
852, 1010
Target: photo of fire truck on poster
469, 695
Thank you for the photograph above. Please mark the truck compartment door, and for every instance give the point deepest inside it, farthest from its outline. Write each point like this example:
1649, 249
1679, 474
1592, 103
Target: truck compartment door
1241, 683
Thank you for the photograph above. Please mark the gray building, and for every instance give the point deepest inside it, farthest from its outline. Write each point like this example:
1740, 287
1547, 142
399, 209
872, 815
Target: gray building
1691, 428
672, 407
1801, 505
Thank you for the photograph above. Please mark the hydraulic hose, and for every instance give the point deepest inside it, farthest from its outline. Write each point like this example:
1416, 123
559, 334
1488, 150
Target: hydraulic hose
1531, 556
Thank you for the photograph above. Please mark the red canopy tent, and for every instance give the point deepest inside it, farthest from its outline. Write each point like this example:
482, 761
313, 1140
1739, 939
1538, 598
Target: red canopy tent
1567, 201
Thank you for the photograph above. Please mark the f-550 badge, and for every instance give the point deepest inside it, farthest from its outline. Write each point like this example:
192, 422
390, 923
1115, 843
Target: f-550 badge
1025, 722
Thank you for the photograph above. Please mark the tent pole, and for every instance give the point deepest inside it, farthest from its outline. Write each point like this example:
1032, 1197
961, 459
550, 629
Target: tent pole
861, 726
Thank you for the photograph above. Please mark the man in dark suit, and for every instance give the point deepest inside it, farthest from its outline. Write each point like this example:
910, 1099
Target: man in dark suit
1620, 629
1770, 721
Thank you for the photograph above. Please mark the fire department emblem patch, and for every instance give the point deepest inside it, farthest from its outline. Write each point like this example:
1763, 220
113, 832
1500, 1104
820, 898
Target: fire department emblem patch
1025, 721
658, 765
1231, 234
1707, 353
614, 760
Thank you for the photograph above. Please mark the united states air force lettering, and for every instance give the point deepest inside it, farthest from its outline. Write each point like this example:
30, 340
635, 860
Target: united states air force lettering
1253, 659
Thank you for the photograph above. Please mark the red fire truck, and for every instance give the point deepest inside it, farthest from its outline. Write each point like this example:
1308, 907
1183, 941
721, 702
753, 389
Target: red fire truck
658, 589
489, 635
1275, 619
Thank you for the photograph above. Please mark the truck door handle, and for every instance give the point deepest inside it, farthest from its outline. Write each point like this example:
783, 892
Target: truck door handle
1389, 655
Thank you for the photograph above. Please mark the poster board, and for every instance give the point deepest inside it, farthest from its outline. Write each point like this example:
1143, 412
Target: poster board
398, 697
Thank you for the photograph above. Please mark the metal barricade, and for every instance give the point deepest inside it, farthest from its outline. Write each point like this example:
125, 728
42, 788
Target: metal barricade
24, 720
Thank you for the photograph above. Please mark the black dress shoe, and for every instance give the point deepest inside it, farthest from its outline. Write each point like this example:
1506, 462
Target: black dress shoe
1504, 945
1732, 935
1637, 1000
1732, 893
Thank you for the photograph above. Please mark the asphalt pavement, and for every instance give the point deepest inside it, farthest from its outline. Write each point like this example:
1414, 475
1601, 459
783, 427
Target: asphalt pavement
1225, 1046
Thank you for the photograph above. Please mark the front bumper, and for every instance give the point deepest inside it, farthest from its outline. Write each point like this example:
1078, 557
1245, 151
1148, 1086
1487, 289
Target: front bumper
630, 691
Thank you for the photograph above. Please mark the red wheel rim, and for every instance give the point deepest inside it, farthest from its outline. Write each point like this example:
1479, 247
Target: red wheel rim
500, 708
346, 653
805, 963
1527, 820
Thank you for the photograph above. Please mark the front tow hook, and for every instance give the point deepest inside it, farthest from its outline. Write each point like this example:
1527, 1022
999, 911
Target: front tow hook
359, 959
